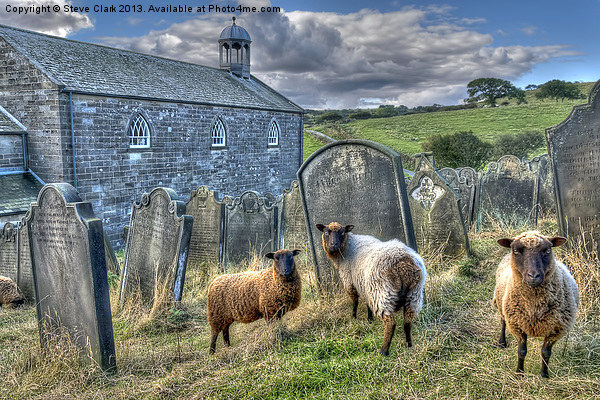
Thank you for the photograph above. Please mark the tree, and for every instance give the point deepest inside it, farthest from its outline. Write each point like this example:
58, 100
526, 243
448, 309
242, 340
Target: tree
557, 89
361, 114
386, 111
521, 144
491, 89
460, 149
329, 116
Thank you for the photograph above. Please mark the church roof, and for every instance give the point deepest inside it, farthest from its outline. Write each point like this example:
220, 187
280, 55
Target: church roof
95, 69
17, 192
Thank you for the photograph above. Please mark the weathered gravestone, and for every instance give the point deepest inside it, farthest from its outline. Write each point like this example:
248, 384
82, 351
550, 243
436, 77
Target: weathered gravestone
507, 194
546, 197
9, 251
293, 226
574, 147
69, 271
157, 247
112, 264
354, 182
436, 212
464, 188
206, 244
25, 273
250, 227
271, 200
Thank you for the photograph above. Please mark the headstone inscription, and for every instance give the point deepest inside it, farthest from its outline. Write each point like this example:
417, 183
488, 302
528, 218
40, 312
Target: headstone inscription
250, 227
574, 147
436, 213
507, 194
293, 226
464, 188
157, 247
9, 249
206, 244
355, 182
69, 272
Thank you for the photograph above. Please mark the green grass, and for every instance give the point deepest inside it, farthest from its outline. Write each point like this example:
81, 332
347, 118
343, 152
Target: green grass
406, 133
318, 351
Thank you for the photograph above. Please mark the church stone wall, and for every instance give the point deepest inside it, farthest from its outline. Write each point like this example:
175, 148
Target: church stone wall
11, 153
112, 176
33, 99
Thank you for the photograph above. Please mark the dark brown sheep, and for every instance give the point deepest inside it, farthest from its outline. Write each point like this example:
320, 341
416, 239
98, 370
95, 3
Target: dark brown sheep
249, 296
9, 294
535, 294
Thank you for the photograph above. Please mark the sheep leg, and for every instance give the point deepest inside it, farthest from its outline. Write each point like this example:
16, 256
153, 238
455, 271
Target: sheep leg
369, 314
502, 341
409, 315
546, 353
522, 352
226, 336
213, 341
390, 326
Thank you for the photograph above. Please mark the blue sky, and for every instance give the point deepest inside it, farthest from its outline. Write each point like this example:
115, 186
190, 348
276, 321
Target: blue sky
358, 54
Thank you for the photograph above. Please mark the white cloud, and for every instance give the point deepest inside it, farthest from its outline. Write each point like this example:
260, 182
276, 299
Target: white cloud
54, 23
412, 56
529, 30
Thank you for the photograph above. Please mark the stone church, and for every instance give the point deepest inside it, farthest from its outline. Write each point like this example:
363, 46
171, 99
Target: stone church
116, 123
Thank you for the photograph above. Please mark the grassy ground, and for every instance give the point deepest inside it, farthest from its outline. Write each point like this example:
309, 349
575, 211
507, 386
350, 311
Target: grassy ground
406, 133
318, 351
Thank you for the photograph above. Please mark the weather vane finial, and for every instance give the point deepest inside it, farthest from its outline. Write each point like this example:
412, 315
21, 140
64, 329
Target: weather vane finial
233, 18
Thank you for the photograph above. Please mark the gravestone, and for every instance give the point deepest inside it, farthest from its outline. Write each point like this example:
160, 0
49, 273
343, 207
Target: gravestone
293, 226
507, 194
574, 147
270, 199
206, 244
9, 250
354, 182
250, 227
436, 213
464, 187
25, 274
546, 197
157, 247
112, 264
69, 271
425, 160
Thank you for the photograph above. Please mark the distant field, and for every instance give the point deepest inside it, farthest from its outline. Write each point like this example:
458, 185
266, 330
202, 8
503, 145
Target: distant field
406, 133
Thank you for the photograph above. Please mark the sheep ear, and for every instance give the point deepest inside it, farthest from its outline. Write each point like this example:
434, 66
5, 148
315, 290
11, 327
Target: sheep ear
320, 227
557, 241
296, 252
505, 242
270, 255
348, 228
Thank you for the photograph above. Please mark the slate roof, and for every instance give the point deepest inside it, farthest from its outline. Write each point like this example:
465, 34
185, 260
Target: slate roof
8, 123
17, 192
90, 68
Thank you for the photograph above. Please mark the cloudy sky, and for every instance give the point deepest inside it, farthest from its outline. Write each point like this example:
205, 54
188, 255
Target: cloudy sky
348, 54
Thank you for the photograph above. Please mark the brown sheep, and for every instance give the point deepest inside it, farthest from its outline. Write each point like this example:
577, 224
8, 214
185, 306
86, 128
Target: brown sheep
390, 276
249, 296
535, 294
9, 294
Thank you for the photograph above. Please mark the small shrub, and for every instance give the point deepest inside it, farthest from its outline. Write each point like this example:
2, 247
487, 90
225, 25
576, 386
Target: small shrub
460, 149
520, 144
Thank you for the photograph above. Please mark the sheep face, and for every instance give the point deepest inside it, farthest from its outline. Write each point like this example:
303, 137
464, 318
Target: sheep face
335, 237
532, 256
283, 260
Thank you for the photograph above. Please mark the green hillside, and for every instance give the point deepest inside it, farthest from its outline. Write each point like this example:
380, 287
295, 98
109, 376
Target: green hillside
406, 133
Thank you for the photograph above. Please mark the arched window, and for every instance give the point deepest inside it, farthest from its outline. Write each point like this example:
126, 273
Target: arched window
139, 133
217, 133
273, 134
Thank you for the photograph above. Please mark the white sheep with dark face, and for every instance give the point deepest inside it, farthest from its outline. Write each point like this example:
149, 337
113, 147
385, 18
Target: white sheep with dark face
9, 294
389, 275
535, 294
